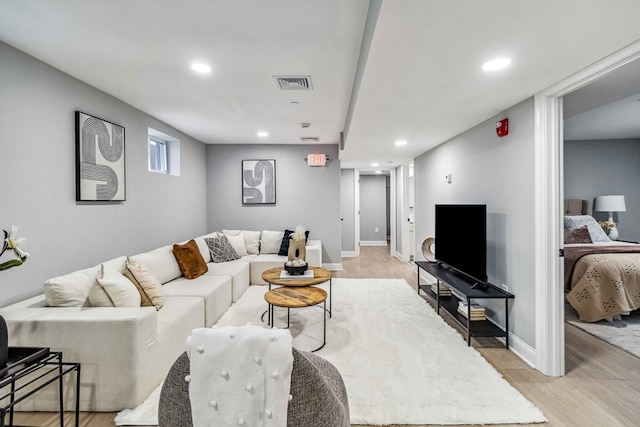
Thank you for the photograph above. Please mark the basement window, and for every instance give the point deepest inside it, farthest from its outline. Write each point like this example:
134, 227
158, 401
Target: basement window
164, 153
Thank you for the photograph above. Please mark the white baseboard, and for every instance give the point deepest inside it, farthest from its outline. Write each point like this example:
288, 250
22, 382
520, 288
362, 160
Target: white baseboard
333, 266
348, 254
373, 243
521, 349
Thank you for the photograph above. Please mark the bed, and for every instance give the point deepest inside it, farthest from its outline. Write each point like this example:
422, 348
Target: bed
602, 277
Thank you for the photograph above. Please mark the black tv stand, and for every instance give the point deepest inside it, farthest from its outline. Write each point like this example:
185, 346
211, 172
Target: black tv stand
471, 290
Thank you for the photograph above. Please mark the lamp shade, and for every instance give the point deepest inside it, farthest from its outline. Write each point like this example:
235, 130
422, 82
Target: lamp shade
610, 204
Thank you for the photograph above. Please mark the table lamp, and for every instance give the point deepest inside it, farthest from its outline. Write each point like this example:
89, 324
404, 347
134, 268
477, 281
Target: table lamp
611, 204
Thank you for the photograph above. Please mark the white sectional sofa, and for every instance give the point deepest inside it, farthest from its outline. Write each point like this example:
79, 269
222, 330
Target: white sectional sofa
126, 352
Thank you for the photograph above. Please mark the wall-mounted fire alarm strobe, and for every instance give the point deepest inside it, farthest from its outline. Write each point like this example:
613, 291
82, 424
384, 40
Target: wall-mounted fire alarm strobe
502, 127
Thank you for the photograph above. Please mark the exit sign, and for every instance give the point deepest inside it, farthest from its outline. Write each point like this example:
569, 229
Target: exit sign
317, 159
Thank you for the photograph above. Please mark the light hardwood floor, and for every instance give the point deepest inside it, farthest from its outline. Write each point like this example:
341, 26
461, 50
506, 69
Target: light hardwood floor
601, 387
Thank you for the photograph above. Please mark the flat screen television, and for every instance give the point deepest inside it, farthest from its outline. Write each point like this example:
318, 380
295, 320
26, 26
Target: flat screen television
461, 239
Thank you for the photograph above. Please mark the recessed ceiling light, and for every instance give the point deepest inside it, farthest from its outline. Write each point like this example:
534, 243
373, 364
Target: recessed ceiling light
496, 64
375, 165
263, 134
200, 68
401, 142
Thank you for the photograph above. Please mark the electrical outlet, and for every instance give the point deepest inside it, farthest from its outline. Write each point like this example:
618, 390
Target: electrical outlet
505, 287
377, 229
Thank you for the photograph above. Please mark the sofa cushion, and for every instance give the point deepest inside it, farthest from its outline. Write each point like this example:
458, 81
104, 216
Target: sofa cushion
189, 259
221, 250
112, 289
251, 239
237, 242
149, 287
215, 292
238, 269
71, 290
270, 241
160, 262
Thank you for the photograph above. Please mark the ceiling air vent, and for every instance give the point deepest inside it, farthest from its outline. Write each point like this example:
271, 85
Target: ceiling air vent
309, 139
294, 82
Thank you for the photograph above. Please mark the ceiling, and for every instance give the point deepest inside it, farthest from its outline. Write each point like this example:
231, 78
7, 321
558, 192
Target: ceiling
379, 71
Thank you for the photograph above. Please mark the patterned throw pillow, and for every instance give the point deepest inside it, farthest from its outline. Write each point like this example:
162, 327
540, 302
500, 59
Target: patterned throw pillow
577, 221
221, 250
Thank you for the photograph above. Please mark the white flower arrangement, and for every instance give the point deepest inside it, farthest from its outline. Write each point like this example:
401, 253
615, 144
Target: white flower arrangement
299, 234
11, 241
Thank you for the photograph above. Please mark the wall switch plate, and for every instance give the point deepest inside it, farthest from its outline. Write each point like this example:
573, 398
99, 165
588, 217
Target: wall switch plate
505, 287
377, 229
448, 177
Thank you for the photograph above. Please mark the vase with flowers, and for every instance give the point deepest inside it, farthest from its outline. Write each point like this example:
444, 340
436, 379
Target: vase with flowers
13, 242
610, 228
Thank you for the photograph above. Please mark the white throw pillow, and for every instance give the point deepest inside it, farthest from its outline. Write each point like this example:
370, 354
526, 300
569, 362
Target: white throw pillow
270, 241
251, 239
71, 290
113, 289
237, 242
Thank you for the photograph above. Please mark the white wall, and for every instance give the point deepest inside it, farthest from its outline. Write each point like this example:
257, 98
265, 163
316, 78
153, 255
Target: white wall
498, 172
37, 178
309, 196
597, 168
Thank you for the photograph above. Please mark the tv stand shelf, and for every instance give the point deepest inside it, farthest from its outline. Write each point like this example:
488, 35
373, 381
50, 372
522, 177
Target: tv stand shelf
470, 290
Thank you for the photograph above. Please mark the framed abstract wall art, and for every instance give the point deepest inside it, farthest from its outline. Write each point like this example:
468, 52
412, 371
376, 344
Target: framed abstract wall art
100, 159
258, 182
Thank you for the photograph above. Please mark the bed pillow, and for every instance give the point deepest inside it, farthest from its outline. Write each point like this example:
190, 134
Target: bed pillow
595, 231
148, 286
190, 260
270, 241
112, 289
577, 235
221, 250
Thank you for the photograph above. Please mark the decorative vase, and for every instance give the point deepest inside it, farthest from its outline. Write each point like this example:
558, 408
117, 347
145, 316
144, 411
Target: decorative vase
613, 233
297, 249
4, 342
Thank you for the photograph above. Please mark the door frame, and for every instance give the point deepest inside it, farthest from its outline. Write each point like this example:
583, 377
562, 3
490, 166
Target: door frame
549, 296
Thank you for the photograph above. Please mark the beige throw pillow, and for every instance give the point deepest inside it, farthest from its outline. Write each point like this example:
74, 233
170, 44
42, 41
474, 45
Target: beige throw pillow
70, 290
112, 289
237, 242
270, 241
149, 287
251, 239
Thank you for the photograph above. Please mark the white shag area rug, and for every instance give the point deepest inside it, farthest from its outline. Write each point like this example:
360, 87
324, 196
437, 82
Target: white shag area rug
400, 361
622, 332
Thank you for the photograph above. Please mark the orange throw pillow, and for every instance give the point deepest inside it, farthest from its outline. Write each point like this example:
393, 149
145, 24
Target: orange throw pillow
190, 260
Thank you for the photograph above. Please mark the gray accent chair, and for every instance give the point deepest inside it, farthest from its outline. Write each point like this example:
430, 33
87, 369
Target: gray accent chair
319, 394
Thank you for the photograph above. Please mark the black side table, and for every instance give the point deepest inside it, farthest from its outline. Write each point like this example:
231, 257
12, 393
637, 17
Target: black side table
28, 371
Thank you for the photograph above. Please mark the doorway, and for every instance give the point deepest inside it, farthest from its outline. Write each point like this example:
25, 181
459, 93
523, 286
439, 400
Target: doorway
549, 196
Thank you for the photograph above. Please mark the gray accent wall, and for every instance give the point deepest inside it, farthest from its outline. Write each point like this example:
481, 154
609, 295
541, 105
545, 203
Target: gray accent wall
37, 179
498, 172
597, 168
373, 208
308, 196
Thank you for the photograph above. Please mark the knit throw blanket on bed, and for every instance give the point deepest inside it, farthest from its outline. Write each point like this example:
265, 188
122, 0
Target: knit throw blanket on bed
240, 376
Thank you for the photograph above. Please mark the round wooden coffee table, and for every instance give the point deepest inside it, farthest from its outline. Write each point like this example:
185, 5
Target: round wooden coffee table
320, 275
298, 297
